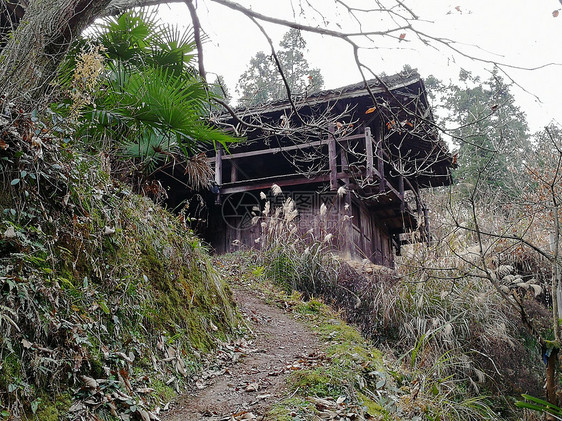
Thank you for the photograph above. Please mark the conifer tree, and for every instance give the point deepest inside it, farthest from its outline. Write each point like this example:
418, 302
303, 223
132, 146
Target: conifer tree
262, 81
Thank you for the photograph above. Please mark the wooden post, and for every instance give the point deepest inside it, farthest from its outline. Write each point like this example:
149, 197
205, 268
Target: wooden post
345, 208
332, 158
401, 192
233, 172
344, 162
218, 174
369, 153
418, 198
380, 156
218, 167
426, 225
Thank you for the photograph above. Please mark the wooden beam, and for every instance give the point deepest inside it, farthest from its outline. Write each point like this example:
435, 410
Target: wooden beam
267, 185
332, 159
264, 184
369, 153
389, 189
267, 151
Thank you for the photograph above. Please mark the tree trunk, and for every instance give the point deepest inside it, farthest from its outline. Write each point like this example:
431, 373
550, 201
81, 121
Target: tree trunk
29, 59
551, 380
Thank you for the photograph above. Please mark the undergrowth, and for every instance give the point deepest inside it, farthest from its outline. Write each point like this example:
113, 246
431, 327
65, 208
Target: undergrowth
107, 301
357, 378
466, 355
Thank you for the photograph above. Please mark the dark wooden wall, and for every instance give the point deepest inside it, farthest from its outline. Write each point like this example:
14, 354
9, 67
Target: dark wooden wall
356, 231
370, 237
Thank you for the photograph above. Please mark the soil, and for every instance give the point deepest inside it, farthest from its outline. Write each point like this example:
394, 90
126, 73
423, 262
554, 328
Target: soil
248, 388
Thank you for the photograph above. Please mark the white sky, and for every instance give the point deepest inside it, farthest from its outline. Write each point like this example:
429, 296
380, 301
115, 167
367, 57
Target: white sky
516, 32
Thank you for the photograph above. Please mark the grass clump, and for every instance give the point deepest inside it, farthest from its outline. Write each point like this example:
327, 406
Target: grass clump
292, 409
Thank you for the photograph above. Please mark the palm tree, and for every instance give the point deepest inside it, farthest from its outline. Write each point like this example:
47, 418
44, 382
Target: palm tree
145, 103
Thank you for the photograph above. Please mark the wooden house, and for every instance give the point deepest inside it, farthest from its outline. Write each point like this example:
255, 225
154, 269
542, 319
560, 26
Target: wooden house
362, 152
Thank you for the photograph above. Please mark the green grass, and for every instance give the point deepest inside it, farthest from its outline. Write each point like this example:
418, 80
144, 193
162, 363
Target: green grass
349, 360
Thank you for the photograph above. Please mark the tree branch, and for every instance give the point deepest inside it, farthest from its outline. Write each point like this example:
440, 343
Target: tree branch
197, 35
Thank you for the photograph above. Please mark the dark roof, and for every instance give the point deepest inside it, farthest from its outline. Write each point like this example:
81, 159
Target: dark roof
384, 84
401, 103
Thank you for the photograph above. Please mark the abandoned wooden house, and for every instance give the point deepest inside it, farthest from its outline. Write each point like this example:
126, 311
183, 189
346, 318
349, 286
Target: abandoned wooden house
361, 152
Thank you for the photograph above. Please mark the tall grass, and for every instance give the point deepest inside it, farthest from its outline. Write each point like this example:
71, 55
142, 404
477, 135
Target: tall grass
294, 259
458, 339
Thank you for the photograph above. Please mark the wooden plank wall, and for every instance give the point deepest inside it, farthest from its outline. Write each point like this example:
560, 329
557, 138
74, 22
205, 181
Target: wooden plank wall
370, 238
362, 236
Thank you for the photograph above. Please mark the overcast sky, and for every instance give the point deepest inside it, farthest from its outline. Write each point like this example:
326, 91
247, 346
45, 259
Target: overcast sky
515, 32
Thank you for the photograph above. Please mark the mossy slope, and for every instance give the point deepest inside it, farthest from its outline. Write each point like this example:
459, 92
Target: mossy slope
106, 300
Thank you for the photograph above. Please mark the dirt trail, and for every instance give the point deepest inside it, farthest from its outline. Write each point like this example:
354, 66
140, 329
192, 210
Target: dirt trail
247, 389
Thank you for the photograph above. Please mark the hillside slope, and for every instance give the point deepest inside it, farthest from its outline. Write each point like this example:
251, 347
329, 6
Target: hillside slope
107, 301
110, 306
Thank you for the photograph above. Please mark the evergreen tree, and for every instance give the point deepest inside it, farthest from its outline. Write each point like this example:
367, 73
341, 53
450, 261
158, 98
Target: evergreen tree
262, 83
490, 129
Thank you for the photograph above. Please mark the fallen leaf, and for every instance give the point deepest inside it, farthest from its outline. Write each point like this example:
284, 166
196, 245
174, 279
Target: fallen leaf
26, 344
76, 406
248, 416
555, 13
244, 415
402, 36
371, 110
180, 367
322, 403
89, 382
252, 387
124, 356
3, 145
113, 409
91, 402
10, 233
537, 289
144, 414
109, 231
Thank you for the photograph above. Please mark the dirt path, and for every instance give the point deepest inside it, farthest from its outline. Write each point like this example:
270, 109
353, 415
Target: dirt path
247, 389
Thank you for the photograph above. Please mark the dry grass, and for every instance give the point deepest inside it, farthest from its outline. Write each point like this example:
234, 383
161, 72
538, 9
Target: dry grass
455, 335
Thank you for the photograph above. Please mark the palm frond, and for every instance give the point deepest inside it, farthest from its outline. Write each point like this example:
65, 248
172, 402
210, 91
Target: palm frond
175, 50
150, 149
170, 104
127, 37
150, 101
